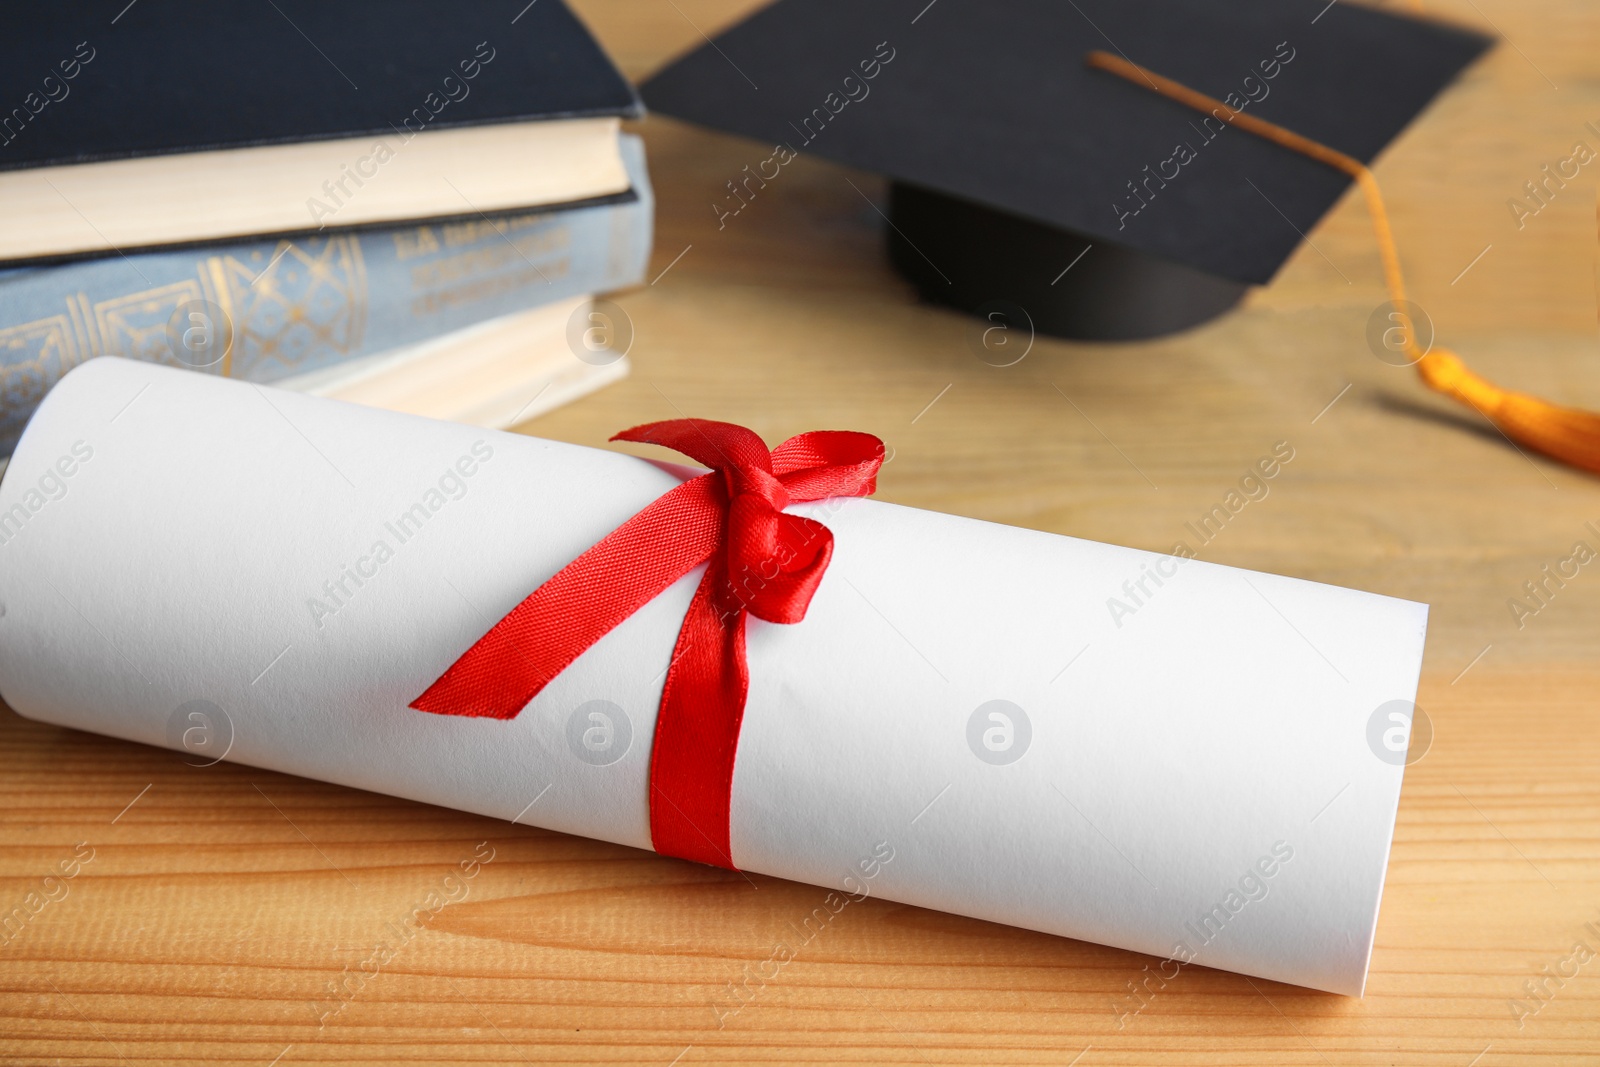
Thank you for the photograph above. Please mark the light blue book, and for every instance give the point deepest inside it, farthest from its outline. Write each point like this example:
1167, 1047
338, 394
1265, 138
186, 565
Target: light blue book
272, 309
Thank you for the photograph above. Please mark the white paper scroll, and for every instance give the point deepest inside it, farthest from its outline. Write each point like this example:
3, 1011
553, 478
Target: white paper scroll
959, 722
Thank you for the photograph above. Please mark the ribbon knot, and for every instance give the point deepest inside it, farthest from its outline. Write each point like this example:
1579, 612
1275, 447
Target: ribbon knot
759, 560
756, 483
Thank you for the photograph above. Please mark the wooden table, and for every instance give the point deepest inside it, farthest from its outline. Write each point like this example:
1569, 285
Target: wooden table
226, 910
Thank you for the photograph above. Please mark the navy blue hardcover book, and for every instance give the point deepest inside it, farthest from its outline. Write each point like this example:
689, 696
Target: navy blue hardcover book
113, 80
166, 124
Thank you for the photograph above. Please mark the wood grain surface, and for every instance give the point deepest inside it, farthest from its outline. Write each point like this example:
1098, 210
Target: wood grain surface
235, 916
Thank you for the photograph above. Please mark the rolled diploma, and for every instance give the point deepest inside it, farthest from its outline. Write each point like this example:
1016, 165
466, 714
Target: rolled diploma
1196, 779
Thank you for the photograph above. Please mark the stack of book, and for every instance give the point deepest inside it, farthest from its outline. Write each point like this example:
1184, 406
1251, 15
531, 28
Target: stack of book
392, 210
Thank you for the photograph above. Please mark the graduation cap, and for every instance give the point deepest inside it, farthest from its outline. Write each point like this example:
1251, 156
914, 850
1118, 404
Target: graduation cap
1185, 145
1021, 174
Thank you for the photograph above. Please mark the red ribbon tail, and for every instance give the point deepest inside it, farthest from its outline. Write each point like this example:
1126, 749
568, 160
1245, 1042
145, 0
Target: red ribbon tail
587, 599
697, 730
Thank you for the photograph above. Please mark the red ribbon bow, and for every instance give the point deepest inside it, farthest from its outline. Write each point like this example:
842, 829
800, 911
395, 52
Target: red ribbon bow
760, 561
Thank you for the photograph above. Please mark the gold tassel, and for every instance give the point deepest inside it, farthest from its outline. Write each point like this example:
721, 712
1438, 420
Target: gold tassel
1567, 434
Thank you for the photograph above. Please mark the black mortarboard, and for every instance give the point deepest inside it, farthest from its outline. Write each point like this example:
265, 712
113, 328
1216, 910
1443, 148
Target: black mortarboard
1009, 157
